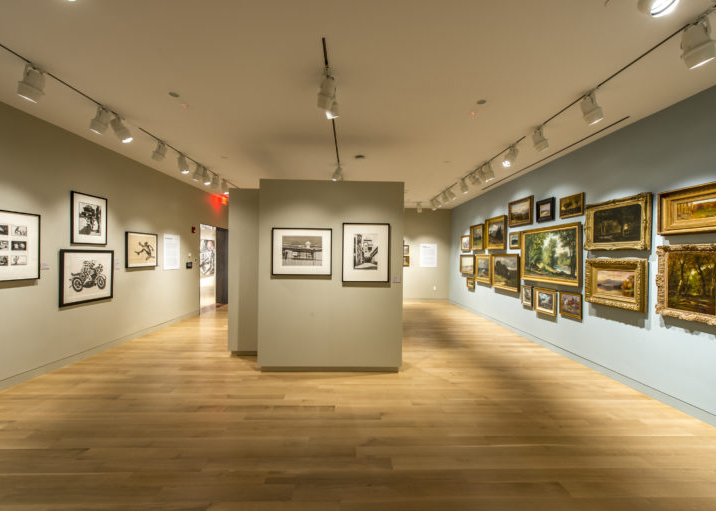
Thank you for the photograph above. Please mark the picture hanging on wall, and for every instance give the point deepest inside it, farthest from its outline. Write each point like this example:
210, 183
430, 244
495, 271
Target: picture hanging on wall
301, 251
570, 305
553, 254
619, 283
465, 243
572, 205
467, 265
545, 301
207, 257
470, 282
514, 240
686, 282
366, 252
526, 296
477, 240
19, 246
406, 249
545, 210
483, 269
406, 260
506, 272
89, 219
519, 212
688, 210
140, 250
85, 276
619, 224
496, 229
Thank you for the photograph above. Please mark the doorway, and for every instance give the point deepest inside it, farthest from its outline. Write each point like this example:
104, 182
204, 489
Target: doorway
213, 267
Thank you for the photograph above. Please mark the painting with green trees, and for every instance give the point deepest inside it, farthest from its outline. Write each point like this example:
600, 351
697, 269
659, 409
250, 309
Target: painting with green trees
692, 282
552, 254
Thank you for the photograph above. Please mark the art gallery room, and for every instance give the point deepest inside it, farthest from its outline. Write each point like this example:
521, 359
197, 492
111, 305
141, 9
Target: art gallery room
348, 256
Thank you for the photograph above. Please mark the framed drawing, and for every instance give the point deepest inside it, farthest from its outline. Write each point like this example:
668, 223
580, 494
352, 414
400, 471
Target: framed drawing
506, 272
86, 276
140, 250
19, 246
470, 283
619, 224
526, 296
406, 260
553, 254
477, 241
519, 212
301, 251
88, 220
687, 210
546, 301
366, 252
465, 243
514, 238
570, 305
467, 264
686, 282
571, 205
619, 283
496, 229
406, 249
545, 210
483, 269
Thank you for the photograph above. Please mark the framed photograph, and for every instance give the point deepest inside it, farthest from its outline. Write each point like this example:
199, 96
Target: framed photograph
570, 305
470, 283
85, 276
301, 251
496, 229
688, 210
477, 240
545, 210
467, 265
506, 272
619, 224
571, 205
553, 254
140, 250
519, 212
465, 243
366, 252
526, 296
406, 249
545, 301
686, 282
514, 238
89, 219
207, 258
406, 260
619, 283
19, 246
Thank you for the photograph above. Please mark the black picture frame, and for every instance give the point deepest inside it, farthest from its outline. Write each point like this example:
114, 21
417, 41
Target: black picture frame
326, 272
343, 254
63, 298
8, 238
127, 264
76, 236
550, 215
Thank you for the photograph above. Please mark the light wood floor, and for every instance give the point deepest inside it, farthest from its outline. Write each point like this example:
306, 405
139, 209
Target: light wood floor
478, 418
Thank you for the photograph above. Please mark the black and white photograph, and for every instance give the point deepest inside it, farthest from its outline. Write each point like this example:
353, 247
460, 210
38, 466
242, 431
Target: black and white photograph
301, 251
4, 230
18, 230
89, 219
4, 260
140, 250
4, 244
20, 258
19, 245
207, 257
366, 252
85, 276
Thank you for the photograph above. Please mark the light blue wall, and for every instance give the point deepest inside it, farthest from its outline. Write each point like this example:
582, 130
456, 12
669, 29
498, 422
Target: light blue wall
671, 149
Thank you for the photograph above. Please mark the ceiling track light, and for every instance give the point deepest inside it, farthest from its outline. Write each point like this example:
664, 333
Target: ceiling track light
101, 120
160, 151
327, 93
510, 157
474, 177
32, 85
332, 111
444, 197
182, 164
697, 47
337, 176
539, 142
463, 186
198, 174
224, 187
433, 204
657, 8
121, 130
451, 195
205, 178
214, 182
591, 111
487, 172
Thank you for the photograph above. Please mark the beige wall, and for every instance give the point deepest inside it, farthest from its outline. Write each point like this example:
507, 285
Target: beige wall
39, 165
427, 227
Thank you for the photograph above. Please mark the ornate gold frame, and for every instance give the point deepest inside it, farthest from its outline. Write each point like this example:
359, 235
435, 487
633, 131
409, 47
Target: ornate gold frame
406, 260
488, 279
581, 210
569, 314
470, 282
473, 264
662, 283
486, 236
522, 296
469, 243
640, 269
668, 224
535, 301
519, 240
530, 218
492, 272
644, 243
550, 280
472, 236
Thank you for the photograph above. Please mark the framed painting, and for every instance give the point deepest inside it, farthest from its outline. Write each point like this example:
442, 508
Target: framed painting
526, 296
545, 301
519, 212
477, 240
553, 254
570, 305
619, 283
366, 252
545, 210
483, 269
619, 224
467, 265
140, 250
301, 251
406, 249
470, 283
86, 276
19, 246
496, 231
88, 219
686, 282
688, 210
514, 238
571, 205
465, 243
406, 260
506, 272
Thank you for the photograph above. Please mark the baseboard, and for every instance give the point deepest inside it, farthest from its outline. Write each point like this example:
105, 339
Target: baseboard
244, 353
674, 402
57, 364
290, 369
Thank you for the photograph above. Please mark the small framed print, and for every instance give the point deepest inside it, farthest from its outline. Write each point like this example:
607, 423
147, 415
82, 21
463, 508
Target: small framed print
514, 238
19, 246
545, 210
140, 250
86, 276
483, 269
406, 260
545, 301
572, 205
467, 265
89, 219
470, 283
477, 240
496, 229
570, 305
465, 243
526, 296
519, 212
406, 249
301, 251
366, 252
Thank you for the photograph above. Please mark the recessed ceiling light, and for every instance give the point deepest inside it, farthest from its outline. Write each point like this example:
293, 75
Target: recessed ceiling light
359, 157
481, 101
174, 94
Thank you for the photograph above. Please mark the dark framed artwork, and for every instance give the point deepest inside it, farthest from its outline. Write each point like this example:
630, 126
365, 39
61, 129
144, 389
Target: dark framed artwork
19, 246
571, 205
545, 210
366, 252
570, 305
619, 283
545, 301
553, 254
526, 296
477, 237
140, 250
483, 268
465, 243
519, 212
88, 219
406, 260
688, 210
619, 224
467, 265
86, 276
506, 272
301, 251
496, 232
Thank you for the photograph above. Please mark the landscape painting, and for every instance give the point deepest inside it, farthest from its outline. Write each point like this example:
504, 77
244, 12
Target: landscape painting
552, 254
506, 272
497, 232
467, 264
570, 305
520, 211
545, 210
465, 243
527, 296
572, 205
482, 269
619, 224
545, 301
476, 234
615, 282
619, 283
515, 240
688, 210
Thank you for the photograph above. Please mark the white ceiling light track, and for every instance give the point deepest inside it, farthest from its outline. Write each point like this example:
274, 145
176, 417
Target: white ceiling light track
328, 103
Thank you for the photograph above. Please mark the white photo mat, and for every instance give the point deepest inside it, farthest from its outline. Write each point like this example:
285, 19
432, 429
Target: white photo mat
88, 219
303, 251
19, 246
140, 250
366, 252
86, 276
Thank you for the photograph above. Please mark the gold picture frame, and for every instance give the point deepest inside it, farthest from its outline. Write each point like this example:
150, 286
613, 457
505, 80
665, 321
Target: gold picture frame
467, 265
483, 269
506, 272
465, 243
406, 260
477, 237
541, 305
566, 269
527, 296
470, 282
571, 205
619, 224
496, 233
687, 210
570, 305
515, 240
683, 289
619, 283
519, 212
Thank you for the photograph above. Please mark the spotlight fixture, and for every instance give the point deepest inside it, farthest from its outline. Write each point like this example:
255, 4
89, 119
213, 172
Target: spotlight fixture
444, 198
32, 85
433, 204
224, 187
463, 185
101, 121
182, 163
474, 177
205, 178
420, 207
332, 111
540, 143
337, 174
160, 151
657, 8
697, 47
451, 195
327, 94
510, 157
121, 130
591, 111
215, 182
487, 173
198, 174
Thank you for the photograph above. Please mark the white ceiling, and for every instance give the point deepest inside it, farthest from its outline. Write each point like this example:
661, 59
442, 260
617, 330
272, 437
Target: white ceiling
408, 75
